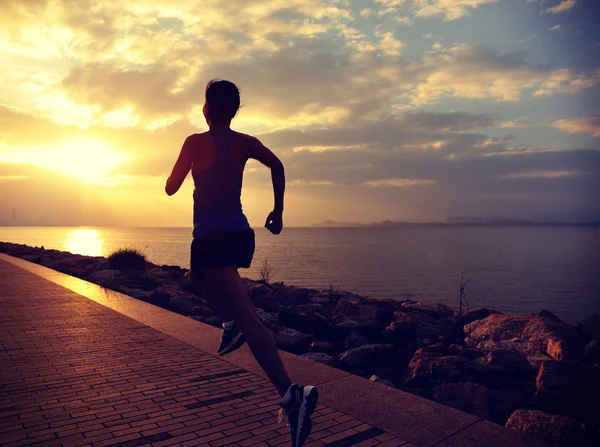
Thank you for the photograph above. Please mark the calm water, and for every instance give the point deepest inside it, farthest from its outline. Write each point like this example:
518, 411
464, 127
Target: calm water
514, 269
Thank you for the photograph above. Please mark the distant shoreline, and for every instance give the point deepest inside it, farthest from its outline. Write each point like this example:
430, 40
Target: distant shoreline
456, 224
335, 225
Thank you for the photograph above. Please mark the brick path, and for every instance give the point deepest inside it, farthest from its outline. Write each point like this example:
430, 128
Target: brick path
76, 373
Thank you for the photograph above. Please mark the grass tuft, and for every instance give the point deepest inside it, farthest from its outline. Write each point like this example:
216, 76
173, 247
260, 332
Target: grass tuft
127, 258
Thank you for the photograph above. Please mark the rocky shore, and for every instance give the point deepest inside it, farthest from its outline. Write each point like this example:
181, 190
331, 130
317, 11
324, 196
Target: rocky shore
533, 373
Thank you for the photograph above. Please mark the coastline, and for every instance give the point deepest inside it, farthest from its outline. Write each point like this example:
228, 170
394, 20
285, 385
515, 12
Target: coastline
529, 372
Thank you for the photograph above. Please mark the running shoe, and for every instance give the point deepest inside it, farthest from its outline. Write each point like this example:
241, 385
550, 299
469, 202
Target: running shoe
298, 411
231, 339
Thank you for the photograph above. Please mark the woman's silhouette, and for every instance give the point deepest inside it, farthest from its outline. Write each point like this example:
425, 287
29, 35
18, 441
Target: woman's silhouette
223, 241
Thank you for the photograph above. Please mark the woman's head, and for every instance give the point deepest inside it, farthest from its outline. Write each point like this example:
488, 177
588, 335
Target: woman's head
222, 102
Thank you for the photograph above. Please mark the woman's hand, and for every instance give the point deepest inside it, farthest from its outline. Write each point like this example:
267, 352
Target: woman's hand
274, 222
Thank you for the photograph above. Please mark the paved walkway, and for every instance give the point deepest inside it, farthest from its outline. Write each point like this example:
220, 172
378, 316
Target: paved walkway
91, 368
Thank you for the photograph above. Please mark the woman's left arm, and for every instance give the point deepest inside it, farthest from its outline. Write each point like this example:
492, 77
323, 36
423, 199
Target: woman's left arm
181, 168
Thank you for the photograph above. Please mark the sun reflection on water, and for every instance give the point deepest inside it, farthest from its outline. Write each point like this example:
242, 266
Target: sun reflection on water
84, 242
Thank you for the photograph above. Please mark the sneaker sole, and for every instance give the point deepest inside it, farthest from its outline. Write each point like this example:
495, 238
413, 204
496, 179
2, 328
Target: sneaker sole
236, 343
307, 408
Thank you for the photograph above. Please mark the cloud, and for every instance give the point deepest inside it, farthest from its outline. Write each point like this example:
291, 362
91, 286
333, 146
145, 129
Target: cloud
563, 6
566, 81
543, 174
398, 183
447, 9
589, 125
389, 45
555, 28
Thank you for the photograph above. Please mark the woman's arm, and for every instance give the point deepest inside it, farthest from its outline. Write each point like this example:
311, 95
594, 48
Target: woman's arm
181, 168
259, 152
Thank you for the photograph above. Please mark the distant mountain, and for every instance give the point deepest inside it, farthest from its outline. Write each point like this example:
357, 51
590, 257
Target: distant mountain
334, 224
472, 222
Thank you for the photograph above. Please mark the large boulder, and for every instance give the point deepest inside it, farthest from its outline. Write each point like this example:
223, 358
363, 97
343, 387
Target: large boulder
513, 362
311, 308
314, 324
468, 397
378, 379
290, 340
592, 351
590, 326
433, 368
402, 329
463, 351
474, 315
160, 296
508, 399
348, 310
355, 339
140, 294
537, 337
366, 327
435, 310
369, 356
321, 357
267, 318
569, 388
554, 429
100, 276
327, 347
185, 304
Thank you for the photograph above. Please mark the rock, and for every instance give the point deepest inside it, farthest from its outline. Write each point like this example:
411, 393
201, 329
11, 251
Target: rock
382, 381
355, 339
440, 348
136, 293
184, 304
592, 351
514, 362
311, 308
138, 279
327, 347
321, 358
435, 310
505, 401
403, 329
469, 397
290, 339
569, 388
267, 318
348, 310
388, 304
323, 300
372, 327
533, 335
314, 324
549, 316
590, 326
160, 297
213, 321
463, 351
202, 311
554, 429
474, 315
368, 355
432, 368
103, 275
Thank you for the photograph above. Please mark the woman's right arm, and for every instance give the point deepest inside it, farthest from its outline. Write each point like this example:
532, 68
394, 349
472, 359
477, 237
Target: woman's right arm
261, 153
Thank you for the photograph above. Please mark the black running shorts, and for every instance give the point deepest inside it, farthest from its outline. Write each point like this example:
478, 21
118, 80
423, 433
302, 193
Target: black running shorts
222, 249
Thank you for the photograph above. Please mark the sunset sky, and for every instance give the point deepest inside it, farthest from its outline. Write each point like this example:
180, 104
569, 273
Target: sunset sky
379, 109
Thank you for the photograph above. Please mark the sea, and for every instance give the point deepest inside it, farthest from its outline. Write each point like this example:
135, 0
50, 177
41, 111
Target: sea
512, 269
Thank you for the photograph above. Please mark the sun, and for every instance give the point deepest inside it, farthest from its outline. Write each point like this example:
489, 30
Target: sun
84, 157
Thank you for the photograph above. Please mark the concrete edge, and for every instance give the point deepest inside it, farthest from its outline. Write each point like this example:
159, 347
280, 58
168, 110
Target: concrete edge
379, 405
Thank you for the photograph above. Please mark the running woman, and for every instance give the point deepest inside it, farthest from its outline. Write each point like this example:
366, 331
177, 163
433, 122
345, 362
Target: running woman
223, 242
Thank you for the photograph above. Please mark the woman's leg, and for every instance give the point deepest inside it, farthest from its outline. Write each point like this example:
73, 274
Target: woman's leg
201, 286
227, 284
